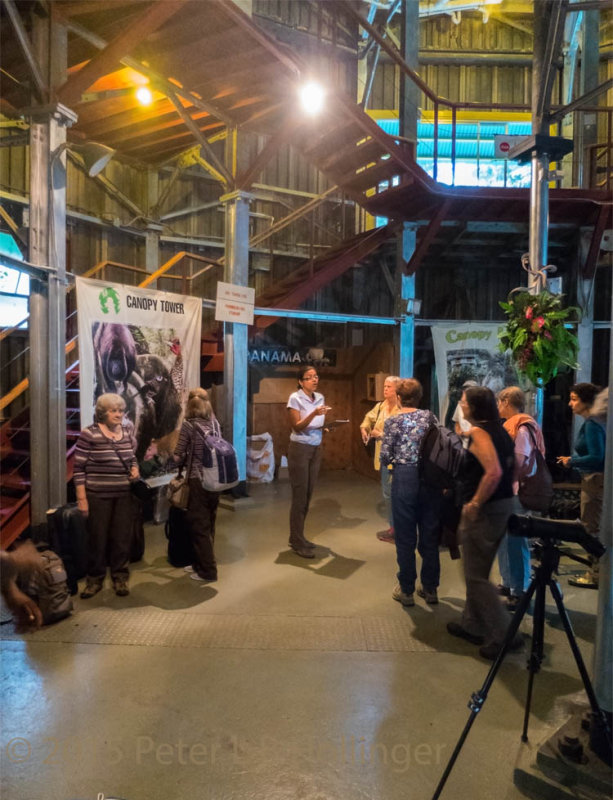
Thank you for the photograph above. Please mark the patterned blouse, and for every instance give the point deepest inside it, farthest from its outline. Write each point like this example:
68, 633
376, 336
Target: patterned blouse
402, 435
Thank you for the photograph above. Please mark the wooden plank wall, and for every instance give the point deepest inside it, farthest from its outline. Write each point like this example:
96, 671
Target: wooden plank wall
344, 388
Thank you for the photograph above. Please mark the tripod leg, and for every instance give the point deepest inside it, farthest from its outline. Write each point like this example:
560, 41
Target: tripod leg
538, 634
478, 698
589, 689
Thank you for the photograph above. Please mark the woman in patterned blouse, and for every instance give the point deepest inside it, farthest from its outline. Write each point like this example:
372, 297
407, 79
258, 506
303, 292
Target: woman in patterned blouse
413, 509
104, 465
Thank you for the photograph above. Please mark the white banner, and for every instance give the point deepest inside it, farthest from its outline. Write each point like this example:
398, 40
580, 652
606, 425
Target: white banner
469, 351
145, 346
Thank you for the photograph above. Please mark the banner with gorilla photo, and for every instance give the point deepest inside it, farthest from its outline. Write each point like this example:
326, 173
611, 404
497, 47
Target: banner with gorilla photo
469, 351
145, 346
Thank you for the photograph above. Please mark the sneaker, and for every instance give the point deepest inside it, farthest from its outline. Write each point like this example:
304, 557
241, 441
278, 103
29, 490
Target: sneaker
91, 588
512, 603
402, 597
195, 577
490, 651
188, 568
429, 595
455, 629
586, 581
121, 587
386, 536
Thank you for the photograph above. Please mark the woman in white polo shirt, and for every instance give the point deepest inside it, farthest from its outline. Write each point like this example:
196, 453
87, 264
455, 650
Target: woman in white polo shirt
307, 412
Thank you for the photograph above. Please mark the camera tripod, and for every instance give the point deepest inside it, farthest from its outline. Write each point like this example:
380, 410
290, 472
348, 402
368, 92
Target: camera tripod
549, 557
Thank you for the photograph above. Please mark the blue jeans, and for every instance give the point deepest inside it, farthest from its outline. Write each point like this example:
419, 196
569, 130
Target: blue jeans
514, 558
386, 491
416, 524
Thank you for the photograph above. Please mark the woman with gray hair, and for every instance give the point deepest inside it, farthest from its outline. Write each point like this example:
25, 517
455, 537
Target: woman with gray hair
104, 466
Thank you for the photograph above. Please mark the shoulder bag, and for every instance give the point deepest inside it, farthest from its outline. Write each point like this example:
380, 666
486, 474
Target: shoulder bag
177, 492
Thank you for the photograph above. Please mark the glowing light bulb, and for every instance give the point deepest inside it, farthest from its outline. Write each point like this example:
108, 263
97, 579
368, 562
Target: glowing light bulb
312, 98
144, 95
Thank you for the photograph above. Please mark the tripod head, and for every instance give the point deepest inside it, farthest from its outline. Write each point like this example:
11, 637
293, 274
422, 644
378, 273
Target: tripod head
554, 530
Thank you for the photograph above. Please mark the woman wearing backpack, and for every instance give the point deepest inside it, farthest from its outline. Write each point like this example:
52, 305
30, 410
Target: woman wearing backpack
488, 502
589, 460
414, 509
201, 509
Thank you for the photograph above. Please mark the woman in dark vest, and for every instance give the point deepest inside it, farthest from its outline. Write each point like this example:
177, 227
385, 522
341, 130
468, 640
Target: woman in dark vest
488, 502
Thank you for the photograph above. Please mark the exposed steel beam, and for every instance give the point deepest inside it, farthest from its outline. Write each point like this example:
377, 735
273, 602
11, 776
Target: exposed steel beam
247, 177
603, 221
427, 238
108, 59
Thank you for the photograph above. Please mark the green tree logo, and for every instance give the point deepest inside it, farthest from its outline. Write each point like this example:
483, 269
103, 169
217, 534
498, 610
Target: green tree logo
104, 297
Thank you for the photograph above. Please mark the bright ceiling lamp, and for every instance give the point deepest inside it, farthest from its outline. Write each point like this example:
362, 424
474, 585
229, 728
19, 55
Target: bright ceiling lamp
312, 97
144, 95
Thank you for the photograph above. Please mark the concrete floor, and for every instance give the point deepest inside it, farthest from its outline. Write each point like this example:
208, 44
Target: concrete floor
286, 679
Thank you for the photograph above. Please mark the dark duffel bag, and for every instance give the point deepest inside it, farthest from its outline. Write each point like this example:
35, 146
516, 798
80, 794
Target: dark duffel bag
67, 536
180, 550
137, 540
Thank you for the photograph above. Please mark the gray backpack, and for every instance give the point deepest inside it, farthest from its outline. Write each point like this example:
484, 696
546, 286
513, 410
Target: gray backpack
49, 588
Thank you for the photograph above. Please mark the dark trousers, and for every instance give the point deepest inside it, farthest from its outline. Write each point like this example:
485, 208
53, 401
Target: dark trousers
303, 461
110, 527
200, 516
416, 524
484, 614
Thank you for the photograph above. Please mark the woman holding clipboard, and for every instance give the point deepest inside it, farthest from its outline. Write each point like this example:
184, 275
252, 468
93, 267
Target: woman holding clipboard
307, 414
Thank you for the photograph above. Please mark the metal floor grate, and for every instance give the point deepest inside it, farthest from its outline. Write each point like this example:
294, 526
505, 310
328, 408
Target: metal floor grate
146, 627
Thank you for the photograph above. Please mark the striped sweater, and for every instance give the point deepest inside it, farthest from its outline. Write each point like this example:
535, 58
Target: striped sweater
98, 465
183, 448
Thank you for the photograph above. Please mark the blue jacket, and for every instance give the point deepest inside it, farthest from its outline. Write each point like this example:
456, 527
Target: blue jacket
589, 447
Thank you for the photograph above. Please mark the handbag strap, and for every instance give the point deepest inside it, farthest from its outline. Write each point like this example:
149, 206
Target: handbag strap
119, 456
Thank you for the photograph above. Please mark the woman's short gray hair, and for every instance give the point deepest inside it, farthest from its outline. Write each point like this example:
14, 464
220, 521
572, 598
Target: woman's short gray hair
105, 403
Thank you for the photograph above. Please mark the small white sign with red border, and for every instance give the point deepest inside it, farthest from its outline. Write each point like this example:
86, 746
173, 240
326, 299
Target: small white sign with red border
234, 303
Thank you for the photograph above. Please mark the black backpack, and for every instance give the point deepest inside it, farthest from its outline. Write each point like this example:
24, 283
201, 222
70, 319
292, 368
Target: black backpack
49, 588
180, 549
441, 461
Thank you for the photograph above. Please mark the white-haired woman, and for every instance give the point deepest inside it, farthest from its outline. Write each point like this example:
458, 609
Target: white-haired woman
104, 465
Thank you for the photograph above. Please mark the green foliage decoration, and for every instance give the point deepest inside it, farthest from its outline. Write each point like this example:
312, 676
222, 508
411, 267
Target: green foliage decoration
537, 336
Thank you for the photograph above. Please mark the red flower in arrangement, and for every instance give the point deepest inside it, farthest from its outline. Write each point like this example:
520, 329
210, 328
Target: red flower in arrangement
537, 335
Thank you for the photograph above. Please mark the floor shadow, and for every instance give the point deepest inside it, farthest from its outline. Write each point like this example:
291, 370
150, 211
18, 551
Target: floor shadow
180, 592
338, 566
326, 513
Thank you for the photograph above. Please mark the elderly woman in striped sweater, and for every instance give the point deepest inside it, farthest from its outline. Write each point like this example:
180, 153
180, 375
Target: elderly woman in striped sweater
104, 465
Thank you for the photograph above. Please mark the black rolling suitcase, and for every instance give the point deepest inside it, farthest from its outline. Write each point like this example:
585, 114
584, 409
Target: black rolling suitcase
67, 536
180, 550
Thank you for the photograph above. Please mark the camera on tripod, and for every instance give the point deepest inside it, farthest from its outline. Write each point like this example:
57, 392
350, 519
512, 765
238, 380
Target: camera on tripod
555, 530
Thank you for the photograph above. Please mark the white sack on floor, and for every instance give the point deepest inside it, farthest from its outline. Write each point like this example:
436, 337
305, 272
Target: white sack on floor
260, 458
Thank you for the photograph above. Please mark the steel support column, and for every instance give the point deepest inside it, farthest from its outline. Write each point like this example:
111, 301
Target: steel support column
48, 300
409, 104
236, 270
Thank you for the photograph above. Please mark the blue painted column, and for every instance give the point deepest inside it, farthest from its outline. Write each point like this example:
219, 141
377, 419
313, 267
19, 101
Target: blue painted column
235, 334
406, 349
